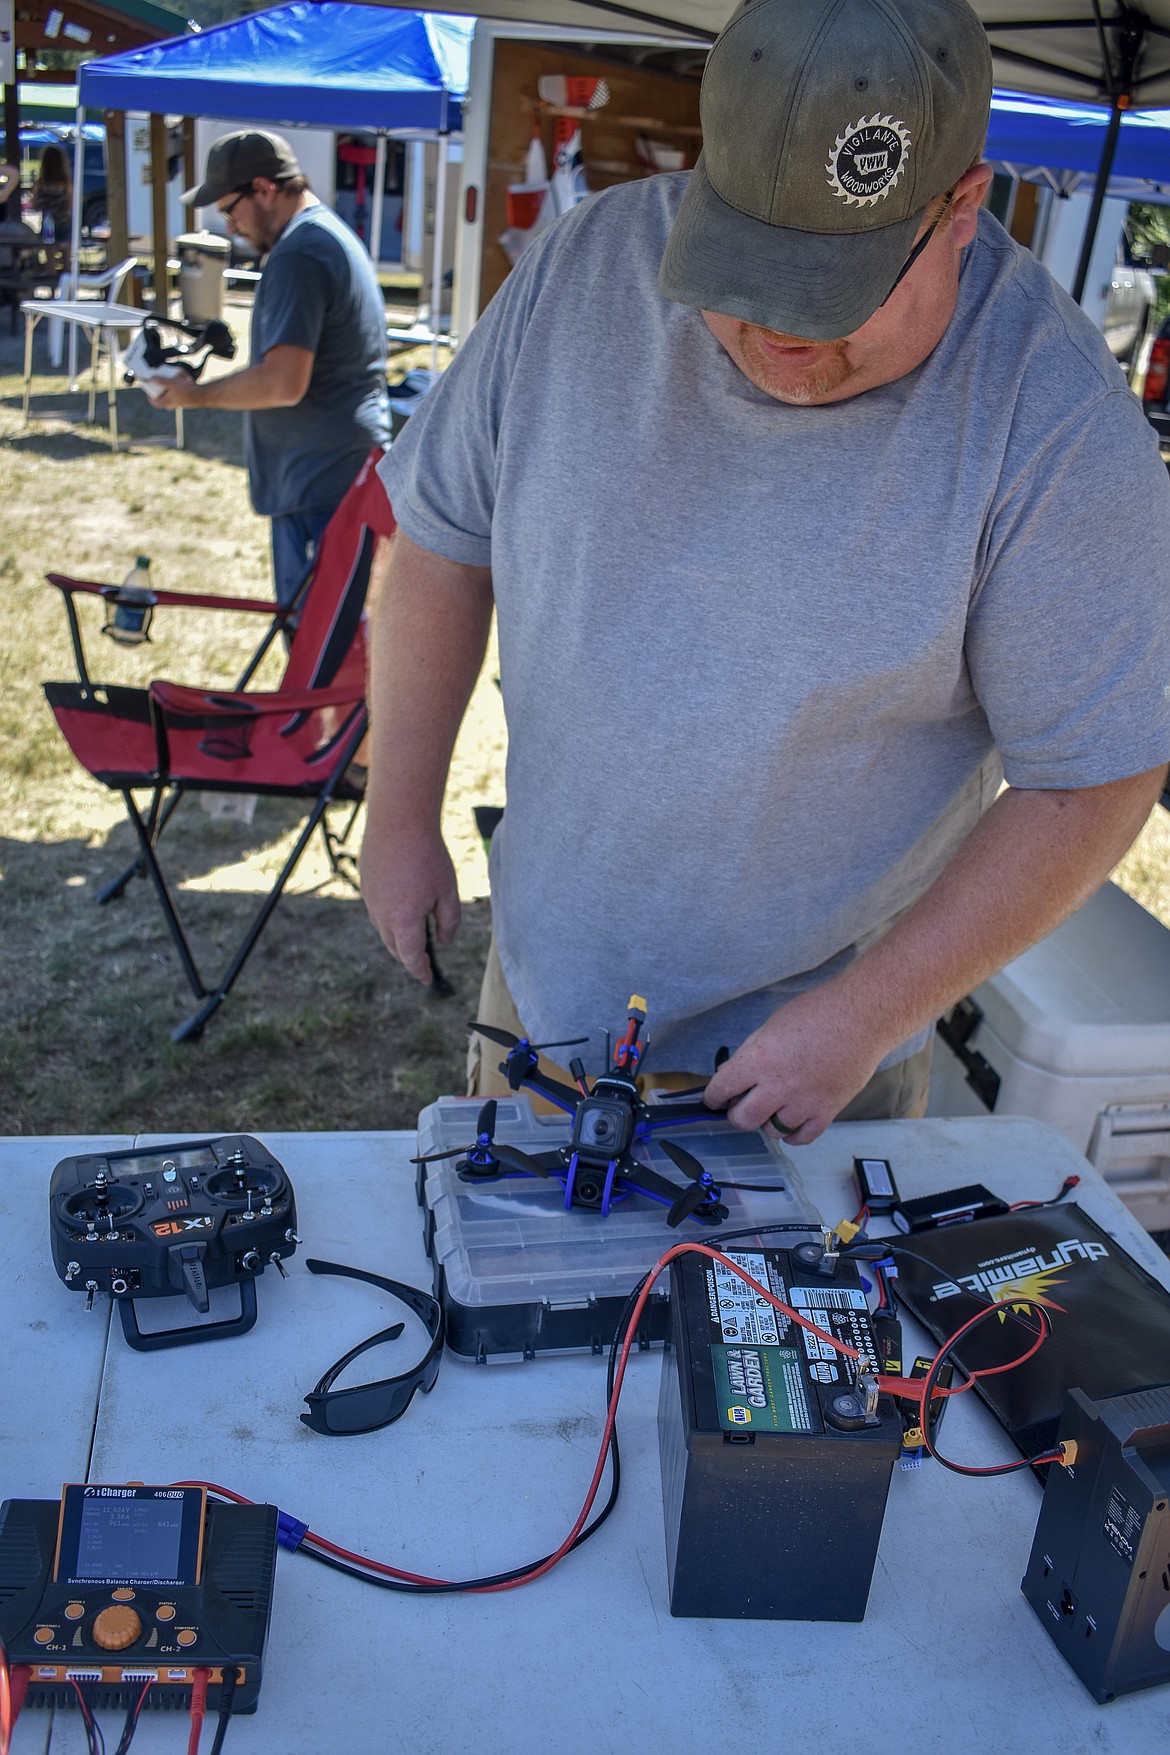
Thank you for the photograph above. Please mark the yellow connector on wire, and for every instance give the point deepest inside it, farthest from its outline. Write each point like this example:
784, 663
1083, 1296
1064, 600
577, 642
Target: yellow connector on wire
846, 1231
637, 1007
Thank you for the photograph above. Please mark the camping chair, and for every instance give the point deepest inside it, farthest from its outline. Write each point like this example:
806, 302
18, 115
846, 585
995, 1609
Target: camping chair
296, 741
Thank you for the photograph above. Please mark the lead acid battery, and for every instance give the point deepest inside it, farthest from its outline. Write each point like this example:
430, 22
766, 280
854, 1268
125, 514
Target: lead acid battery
774, 1481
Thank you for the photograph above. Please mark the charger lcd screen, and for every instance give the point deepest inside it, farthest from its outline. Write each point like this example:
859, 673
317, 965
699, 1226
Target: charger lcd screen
130, 1535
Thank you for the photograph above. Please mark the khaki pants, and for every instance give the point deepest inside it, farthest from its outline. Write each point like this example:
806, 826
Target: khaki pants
892, 1094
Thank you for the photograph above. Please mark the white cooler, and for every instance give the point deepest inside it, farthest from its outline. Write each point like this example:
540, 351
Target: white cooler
1076, 1032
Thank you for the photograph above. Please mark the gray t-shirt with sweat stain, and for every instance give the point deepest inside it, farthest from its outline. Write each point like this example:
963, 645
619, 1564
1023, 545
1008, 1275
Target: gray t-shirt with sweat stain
764, 666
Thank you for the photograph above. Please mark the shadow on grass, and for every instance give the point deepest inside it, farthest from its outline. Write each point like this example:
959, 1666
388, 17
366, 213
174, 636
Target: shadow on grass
210, 433
323, 1030
194, 845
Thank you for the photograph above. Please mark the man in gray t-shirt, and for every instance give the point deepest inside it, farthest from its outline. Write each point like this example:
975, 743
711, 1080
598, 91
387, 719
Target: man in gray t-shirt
810, 509
314, 394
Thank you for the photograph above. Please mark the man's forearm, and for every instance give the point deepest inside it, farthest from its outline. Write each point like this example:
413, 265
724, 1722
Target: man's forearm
430, 625
430, 622
279, 380
1030, 861
248, 389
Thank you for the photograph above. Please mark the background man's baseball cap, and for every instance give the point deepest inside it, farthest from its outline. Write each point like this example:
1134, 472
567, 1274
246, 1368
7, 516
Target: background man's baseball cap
828, 128
235, 159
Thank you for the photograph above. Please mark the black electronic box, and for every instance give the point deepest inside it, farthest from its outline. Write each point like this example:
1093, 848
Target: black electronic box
776, 1450
114, 1586
1099, 1572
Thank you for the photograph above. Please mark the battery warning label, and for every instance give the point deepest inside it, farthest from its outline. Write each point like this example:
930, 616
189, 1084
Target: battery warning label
761, 1389
737, 1313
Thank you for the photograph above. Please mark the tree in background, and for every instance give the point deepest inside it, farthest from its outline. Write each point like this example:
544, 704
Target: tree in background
1148, 231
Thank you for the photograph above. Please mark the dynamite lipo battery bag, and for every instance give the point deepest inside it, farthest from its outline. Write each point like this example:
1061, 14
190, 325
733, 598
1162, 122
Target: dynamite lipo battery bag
1110, 1318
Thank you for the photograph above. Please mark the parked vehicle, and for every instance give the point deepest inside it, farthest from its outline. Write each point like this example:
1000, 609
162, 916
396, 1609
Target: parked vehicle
1156, 389
33, 140
95, 212
1133, 293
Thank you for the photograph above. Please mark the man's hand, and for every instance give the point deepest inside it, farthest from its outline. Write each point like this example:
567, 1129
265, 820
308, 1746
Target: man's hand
279, 380
405, 879
181, 391
802, 1066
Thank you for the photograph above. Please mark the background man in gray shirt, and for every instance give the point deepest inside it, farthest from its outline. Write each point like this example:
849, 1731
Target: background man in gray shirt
314, 392
810, 509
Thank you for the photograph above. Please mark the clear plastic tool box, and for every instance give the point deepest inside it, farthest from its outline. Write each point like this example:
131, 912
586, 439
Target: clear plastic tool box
518, 1274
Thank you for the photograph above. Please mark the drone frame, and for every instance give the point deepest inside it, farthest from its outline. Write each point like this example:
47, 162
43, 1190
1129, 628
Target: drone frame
596, 1167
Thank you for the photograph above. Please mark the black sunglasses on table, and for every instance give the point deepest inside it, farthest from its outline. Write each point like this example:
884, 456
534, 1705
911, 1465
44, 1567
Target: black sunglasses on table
369, 1406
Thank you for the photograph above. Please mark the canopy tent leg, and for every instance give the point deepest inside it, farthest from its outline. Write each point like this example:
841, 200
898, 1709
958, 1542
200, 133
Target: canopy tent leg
158, 215
1100, 187
376, 193
437, 251
75, 237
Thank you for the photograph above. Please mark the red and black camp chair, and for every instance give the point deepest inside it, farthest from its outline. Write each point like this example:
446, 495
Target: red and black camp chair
296, 741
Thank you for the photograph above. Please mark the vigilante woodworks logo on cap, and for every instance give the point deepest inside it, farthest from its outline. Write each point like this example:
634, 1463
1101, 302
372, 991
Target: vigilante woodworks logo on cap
868, 159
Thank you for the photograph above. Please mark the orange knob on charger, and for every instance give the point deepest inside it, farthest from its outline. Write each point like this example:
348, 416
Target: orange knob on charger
116, 1627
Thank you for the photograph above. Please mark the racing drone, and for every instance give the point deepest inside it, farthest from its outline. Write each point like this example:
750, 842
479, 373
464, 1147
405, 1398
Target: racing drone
148, 351
597, 1167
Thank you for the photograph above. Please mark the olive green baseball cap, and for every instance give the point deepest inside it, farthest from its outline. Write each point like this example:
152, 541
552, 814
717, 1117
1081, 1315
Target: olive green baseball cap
235, 159
829, 126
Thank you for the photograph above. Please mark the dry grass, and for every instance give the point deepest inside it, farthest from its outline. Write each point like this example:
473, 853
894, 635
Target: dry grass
322, 1030
1145, 870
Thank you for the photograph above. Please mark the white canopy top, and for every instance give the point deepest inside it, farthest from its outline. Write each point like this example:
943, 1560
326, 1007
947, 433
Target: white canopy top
1086, 49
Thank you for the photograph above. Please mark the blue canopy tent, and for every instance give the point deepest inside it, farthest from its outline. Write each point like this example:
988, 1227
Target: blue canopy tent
1057, 144
1068, 137
332, 65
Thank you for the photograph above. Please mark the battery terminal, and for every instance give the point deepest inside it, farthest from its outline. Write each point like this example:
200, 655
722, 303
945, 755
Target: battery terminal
867, 1390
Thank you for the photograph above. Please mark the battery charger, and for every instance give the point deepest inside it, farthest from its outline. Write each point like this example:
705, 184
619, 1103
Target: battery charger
1098, 1575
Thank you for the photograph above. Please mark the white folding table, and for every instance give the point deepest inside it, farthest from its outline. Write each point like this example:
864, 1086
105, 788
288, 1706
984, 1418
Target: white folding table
100, 322
488, 1471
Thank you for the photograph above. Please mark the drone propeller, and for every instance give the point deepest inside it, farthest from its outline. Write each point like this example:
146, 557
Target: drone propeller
700, 1189
521, 1061
486, 1155
684, 1161
437, 1157
485, 1127
692, 1197
506, 1039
